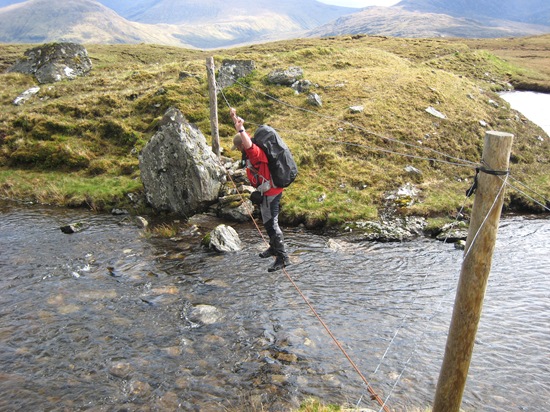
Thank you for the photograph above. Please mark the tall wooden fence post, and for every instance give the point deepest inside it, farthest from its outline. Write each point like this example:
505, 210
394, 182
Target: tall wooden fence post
474, 274
213, 94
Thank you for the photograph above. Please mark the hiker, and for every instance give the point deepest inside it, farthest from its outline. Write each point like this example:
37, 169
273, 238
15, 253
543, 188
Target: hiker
258, 173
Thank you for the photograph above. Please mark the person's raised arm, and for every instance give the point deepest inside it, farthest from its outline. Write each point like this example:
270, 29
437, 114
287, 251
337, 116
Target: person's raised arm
239, 127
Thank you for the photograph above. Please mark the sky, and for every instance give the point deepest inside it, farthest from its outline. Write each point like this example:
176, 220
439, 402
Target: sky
360, 3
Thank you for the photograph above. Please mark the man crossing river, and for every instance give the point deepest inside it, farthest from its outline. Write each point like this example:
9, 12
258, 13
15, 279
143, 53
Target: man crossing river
259, 175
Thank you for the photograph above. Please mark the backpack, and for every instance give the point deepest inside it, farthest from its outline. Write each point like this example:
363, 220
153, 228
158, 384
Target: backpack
281, 164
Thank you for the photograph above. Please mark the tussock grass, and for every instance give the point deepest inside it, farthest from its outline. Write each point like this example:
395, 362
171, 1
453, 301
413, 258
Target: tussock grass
91, 130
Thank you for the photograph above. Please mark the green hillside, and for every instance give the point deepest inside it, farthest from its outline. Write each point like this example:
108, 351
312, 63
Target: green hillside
77, 142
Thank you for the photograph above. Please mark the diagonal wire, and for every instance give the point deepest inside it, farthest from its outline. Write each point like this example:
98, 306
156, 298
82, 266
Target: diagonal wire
373, 393
445, 294
504, 181
530, 197
353, 125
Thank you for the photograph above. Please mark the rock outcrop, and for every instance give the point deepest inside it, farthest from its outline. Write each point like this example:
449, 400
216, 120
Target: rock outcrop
233, 70
179, 171
285, 77
54, 62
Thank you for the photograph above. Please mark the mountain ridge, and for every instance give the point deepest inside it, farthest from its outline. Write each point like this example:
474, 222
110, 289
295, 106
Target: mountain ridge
209, 24
36, 21
398, 21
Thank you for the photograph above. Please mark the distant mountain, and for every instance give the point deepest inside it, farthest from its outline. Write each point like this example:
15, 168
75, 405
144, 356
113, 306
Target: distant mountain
400, 22
86, 21
220, 23
200, 23
526, 11
306, 14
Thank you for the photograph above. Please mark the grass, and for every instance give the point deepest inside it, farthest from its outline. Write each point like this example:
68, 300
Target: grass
77, 142
529, 53
59, 188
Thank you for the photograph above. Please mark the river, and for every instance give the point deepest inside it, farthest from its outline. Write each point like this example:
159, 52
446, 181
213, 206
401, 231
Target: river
535, 106
112, 319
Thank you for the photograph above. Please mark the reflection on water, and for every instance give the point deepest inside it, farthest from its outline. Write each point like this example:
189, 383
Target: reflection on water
532, 105
107, 319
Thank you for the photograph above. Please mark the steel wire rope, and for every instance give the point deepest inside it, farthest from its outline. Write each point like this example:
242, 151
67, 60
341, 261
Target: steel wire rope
370, 389
376, 149
459, 214
528, 188
508, 175
353, 125
414, 300
486, 217
397, 153
417, 341
470, 164
530, 197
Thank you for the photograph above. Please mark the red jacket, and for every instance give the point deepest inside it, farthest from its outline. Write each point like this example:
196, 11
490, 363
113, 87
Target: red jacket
259, 170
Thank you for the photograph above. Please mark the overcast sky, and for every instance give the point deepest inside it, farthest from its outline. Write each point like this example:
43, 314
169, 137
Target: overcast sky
361, 3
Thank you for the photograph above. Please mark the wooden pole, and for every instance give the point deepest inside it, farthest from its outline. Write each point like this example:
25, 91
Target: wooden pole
474, 274
210, 68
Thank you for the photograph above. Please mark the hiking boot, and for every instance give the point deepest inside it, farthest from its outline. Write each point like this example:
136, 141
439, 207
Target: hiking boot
286, 260
267, 253
277, 265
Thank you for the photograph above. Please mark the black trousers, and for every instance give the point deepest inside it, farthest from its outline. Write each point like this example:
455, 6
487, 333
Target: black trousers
270, 207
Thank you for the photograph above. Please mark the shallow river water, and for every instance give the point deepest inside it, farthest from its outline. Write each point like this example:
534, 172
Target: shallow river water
110, 319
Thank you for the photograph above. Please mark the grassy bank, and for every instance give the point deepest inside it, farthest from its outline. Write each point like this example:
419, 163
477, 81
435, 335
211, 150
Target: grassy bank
77, 142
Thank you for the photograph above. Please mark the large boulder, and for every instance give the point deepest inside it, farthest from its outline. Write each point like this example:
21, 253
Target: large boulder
54, 62
233, 70
285, 77
179, 171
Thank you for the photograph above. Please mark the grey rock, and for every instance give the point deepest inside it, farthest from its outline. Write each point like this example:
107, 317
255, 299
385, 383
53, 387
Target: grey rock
315, 100
119, 212
493, 103
460, 245
406, 195
74, 228
225, 239
356, 109
141, 222
301, 86
179, 171
285, 77
186, 75
121, 369
54, 62
205, 314
233, 70
453, 232
241, 213
435, 113
395, 230
26, 96
412, 170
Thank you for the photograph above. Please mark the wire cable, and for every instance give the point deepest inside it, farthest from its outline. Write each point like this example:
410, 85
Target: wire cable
353, 125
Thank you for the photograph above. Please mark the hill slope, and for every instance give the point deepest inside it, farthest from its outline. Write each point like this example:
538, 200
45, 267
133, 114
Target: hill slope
77, 142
